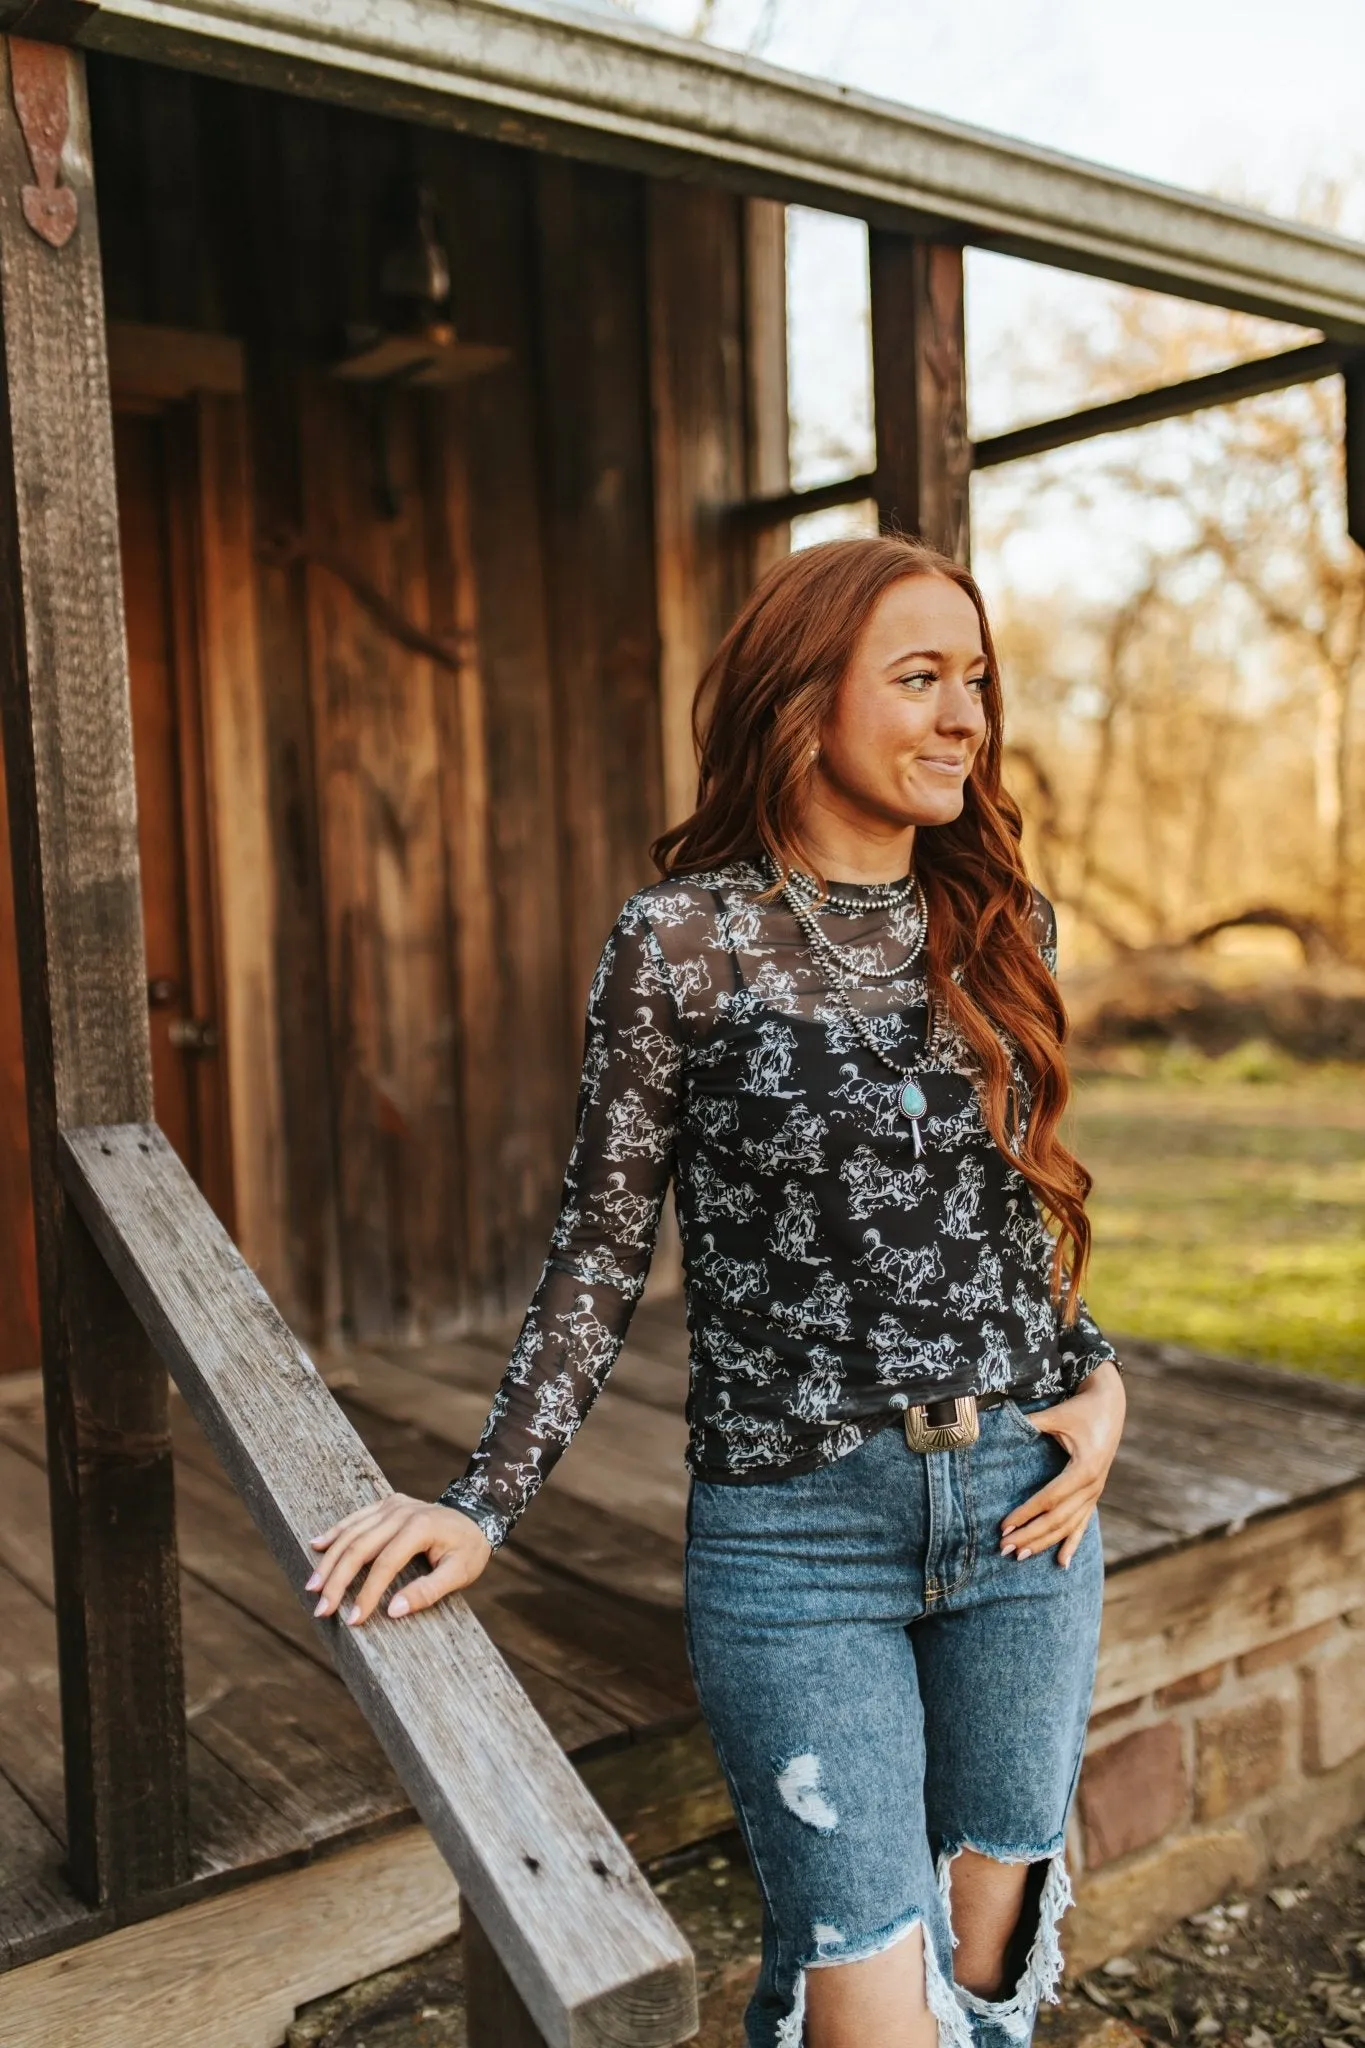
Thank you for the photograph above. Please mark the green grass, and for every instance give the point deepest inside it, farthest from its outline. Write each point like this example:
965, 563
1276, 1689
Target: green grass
1229, 1212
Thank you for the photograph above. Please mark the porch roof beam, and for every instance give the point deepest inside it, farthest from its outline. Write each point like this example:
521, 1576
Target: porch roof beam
554, 78
1138, 409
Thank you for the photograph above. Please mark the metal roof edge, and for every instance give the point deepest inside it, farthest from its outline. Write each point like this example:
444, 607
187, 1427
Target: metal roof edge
560, 78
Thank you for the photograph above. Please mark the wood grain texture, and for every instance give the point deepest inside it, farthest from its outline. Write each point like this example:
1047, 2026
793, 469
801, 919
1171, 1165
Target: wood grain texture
919, 390
272, 262
220, 1546
470, 894
244, 866
231, 1971
494, 2013
488, 202
767, 465
73, 828
1168, 1615
378, 762
536, 1857
697, 384
626, 1453
21, 1352
37, 1901
598, 523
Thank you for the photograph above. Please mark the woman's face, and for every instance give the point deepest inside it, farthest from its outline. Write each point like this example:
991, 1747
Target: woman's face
908, 720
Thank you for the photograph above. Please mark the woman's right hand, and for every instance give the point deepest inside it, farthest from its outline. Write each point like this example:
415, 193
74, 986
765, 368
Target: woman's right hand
386, 1536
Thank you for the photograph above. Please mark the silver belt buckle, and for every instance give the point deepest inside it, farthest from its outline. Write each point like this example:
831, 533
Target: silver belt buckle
964, 1429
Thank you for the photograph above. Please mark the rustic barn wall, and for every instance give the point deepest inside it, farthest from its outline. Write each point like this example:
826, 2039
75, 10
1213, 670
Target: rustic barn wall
450, 836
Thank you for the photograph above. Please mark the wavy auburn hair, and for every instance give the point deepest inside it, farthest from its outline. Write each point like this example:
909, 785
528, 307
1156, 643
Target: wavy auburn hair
760, 710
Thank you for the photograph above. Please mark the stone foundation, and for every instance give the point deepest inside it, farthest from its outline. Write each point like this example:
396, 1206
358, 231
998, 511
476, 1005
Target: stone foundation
1199, 1786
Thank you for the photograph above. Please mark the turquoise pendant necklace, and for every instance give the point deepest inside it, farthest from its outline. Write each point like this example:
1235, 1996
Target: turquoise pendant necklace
911, 1099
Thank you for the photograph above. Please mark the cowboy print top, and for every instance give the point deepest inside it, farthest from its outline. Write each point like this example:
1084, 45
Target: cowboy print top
831, 1277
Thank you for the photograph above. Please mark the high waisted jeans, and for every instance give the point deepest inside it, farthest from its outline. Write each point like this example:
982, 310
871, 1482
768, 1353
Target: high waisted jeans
885, 1689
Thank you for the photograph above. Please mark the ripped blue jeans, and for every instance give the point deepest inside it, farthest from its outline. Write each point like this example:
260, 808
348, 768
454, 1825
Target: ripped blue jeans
884, 1689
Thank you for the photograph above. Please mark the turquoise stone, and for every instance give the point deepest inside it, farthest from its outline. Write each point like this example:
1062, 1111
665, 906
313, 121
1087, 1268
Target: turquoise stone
913, 1102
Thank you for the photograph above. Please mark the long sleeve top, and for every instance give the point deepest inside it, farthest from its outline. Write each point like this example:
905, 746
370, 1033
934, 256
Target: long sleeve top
831, 1277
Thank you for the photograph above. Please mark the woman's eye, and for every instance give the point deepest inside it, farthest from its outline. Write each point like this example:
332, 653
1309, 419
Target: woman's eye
923, 679
979, 683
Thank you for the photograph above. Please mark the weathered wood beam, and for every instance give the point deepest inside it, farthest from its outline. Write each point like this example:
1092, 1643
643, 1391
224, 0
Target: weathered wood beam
919, 390
623, 93
494, 2013
593, 1956
78, 910
695, 287
1166, 402
1139, 409
767, 406
783, 506
1355, 452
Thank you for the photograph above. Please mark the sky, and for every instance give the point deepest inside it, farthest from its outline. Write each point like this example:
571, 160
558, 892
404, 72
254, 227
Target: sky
1218, 95
1248, 99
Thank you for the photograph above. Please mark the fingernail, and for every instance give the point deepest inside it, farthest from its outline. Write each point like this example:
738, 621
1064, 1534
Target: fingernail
351, 1617
322, 1607
399, 1604
1066, 1564
313, 1583
1007, 1550
1023, 1554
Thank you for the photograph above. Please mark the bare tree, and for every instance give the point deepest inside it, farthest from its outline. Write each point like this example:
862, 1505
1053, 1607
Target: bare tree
1200, 734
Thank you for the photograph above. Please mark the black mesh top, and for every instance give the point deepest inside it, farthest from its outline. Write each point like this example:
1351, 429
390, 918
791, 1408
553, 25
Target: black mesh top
831, 1277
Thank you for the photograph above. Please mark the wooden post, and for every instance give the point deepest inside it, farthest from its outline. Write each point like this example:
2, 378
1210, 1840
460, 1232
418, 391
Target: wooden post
494, 2014
1355, 452
767, 411
78, 915
696, 339
919, 390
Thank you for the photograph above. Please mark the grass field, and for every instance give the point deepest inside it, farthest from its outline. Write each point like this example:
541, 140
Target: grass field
1229, 1212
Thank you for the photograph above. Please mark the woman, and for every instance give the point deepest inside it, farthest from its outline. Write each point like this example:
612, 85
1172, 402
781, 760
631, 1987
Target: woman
834, 1025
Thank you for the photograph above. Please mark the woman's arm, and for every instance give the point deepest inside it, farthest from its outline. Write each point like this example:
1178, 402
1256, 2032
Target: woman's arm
600, 1251
602, 1244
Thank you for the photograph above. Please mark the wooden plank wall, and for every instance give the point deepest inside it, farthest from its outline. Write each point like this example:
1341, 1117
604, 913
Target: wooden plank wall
451, 839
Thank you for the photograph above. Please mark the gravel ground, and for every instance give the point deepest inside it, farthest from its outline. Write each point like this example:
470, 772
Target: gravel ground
1279, 1968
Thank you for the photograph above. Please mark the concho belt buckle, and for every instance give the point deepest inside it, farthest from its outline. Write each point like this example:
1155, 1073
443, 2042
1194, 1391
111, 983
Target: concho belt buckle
923, 1435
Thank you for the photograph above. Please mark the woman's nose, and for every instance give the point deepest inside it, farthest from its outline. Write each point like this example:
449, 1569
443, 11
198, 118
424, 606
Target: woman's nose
961, 710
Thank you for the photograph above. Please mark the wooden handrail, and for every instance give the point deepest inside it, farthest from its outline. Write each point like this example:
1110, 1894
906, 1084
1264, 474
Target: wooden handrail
592, 1955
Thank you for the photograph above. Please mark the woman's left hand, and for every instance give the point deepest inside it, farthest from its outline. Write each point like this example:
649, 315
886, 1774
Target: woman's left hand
1089, 1426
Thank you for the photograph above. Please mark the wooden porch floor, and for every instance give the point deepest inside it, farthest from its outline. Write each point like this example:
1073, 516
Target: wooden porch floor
586, 1601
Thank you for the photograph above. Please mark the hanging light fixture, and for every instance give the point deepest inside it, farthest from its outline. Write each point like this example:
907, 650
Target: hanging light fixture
415, 343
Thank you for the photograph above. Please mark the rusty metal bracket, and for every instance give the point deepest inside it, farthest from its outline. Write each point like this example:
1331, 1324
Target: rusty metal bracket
40, 86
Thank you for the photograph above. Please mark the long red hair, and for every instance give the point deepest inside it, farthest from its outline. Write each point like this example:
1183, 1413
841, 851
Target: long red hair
759, 713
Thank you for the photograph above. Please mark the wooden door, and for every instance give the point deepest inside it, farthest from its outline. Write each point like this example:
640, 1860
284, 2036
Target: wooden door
157, 491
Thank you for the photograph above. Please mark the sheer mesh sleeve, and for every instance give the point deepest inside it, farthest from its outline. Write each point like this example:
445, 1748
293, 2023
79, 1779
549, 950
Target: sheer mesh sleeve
601, 1246
1083, 1347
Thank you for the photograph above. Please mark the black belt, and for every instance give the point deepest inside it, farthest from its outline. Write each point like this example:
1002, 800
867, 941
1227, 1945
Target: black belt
953, 1424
